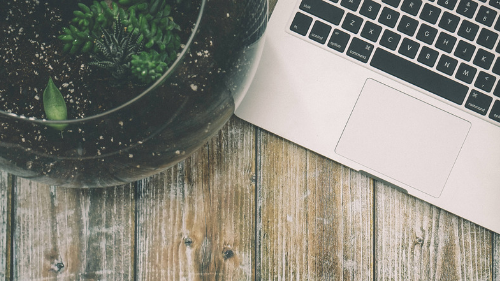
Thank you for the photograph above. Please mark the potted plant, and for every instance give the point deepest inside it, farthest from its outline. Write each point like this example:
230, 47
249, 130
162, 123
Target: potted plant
98, 93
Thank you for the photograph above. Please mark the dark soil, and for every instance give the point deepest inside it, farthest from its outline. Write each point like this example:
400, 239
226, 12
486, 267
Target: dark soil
31, 53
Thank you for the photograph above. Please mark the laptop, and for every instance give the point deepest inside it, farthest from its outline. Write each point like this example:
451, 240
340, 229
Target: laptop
406, 91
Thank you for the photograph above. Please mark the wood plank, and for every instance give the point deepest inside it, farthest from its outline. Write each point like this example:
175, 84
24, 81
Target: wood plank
418, 241
496, 257
315, 215
196, 219
5, 200
73, 234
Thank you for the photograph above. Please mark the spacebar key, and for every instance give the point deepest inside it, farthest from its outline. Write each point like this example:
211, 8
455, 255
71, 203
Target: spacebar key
419, 76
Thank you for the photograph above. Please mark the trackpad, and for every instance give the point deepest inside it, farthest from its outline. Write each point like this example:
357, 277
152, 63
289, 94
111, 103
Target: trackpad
403, 138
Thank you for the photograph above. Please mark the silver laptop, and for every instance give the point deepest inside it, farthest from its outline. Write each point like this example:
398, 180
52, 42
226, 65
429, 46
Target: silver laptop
406, 91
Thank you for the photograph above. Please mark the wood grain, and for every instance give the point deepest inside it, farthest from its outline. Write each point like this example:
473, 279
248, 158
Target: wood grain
496, 257
417, 241
196, 220
314, 218
5, 193
73, 234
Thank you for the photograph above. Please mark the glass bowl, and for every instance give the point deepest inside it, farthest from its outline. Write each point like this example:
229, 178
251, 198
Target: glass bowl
145, 128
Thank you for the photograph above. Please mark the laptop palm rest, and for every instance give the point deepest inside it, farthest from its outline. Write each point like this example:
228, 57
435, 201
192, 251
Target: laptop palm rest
403, 138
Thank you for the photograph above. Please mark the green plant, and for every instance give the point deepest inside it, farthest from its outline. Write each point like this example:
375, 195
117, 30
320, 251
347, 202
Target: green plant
54, 105
136, 24
87, 25
148, 66
115, 51
152, 20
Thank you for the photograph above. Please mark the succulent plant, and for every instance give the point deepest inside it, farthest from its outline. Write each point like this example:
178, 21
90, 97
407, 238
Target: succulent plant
54, 105
87, 25
148, 66
135, 24
152, 19
115, 51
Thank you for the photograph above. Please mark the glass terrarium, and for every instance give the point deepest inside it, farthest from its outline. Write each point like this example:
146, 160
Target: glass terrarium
99, 93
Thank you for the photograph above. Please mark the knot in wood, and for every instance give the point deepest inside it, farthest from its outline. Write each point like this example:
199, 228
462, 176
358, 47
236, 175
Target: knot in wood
188, 241
419, 240
227, 253
58, 266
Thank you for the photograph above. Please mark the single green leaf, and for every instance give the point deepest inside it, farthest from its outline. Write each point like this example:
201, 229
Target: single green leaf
54, 105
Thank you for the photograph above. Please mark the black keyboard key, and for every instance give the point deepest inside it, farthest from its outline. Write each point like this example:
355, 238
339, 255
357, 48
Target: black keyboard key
496, 67
468, 30
497, 25
486, 16
495, 3
496, 92
449, 22
390, 39
430, 13
360, 50
485, 81
428, 56
350, 4
394, 3
495, 111
483, 59
447, 64
487, 38
370, 9
445, 42
301, 23
419, 76
409, 48
466, 73
426, 34
467, 8
464, 50
478, 102
407, 25
371, 31
319, 32
352, 23
411, 6
323, 10
338, 40
388, 17
448, 4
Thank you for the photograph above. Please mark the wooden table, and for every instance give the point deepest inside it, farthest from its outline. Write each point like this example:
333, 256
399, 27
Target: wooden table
248, 205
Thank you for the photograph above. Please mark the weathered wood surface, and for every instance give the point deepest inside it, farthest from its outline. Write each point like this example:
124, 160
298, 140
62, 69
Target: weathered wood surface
246, 206
315, 216
417, 241
196, 220
72, 234
5, 249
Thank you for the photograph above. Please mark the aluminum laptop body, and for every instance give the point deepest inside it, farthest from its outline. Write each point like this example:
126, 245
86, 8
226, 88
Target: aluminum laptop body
408, 117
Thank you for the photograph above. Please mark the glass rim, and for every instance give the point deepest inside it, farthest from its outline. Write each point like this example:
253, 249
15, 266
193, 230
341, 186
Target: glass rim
158, 82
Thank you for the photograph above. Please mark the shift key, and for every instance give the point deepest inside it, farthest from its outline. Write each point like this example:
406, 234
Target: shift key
322, 10
360, 50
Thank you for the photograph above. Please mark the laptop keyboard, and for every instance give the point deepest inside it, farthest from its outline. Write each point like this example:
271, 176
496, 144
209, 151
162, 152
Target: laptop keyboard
447, 47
